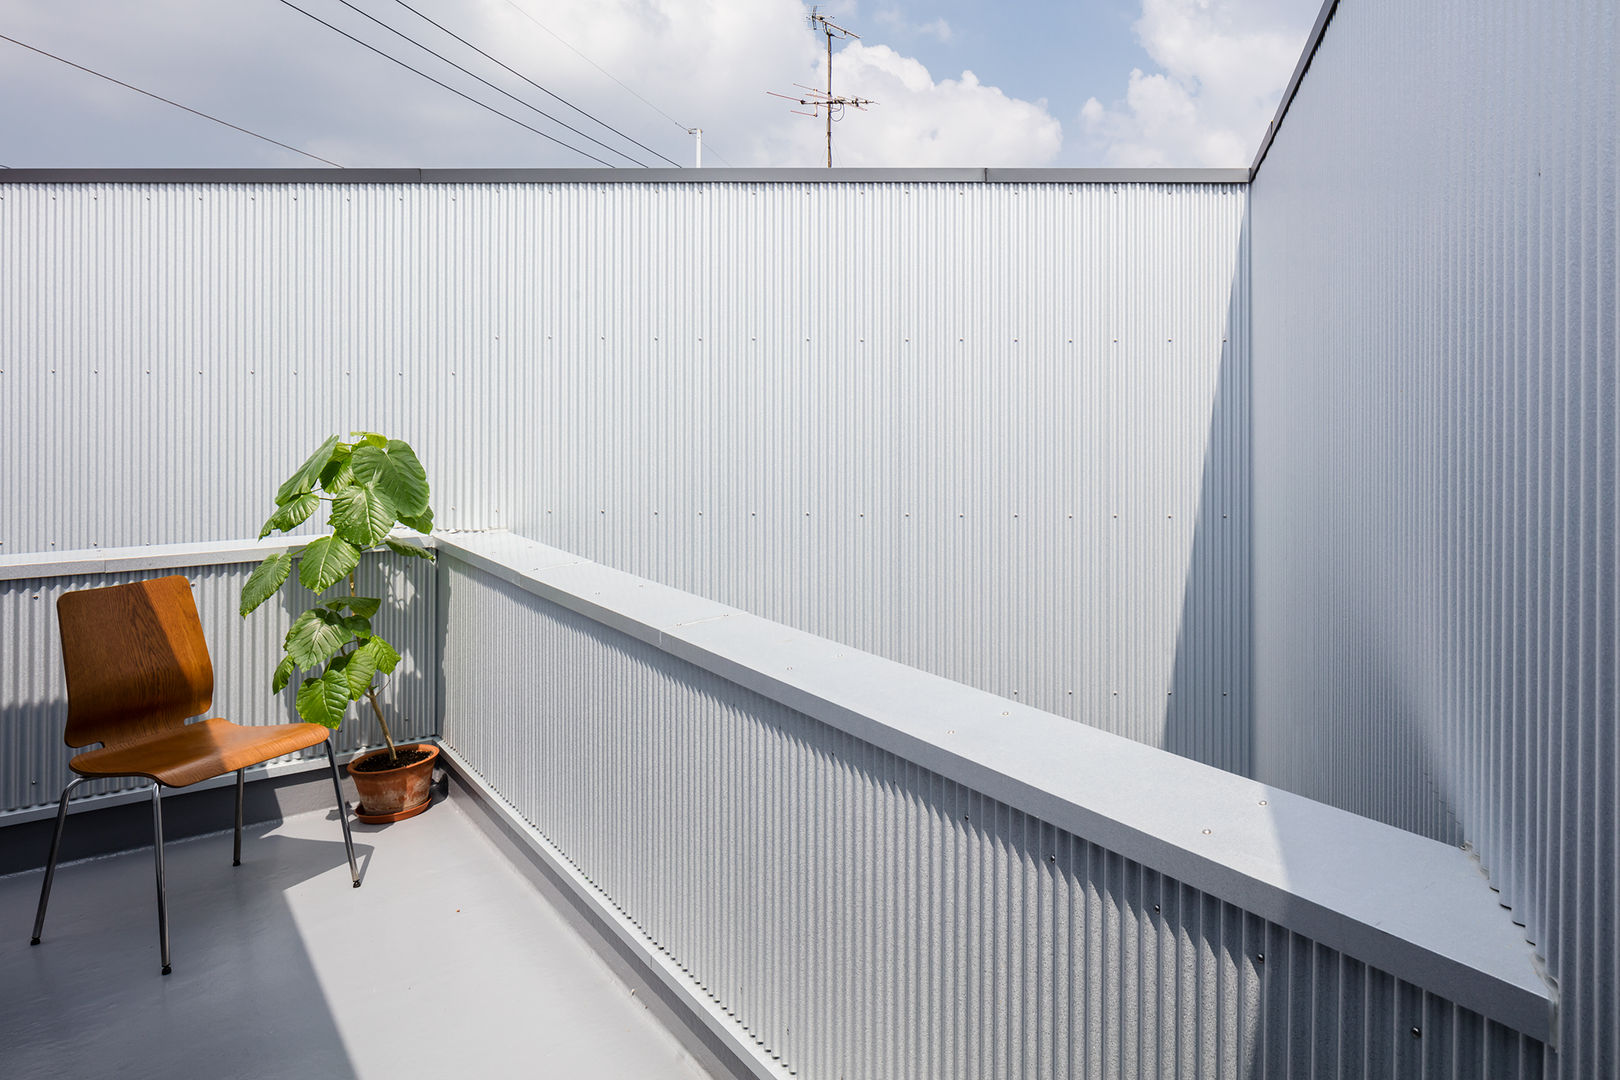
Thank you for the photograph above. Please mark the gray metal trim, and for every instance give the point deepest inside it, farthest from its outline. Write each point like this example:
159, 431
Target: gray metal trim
1323, 17
626, 176
1116, 176
50, 564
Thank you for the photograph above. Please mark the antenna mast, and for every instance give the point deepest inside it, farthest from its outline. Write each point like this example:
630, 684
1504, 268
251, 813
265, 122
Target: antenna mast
819, 99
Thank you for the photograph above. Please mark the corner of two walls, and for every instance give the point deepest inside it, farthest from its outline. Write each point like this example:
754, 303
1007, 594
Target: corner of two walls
1435, 408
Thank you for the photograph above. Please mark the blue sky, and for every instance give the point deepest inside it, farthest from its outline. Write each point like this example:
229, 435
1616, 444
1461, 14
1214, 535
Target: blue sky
960, 82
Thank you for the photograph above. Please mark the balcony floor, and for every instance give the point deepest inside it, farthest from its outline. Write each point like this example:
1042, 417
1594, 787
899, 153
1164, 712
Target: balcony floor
266, 957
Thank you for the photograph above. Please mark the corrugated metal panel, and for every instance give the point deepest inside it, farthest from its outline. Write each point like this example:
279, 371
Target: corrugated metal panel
838, 405
858, 915
33, 759
1436, 365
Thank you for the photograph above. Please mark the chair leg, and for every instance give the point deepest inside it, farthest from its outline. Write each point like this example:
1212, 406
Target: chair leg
50, 864
343, 814
241, 783
157, 848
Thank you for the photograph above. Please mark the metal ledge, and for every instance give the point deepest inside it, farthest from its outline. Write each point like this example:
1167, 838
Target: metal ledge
625, 176
1313, 41
49, 564
1402, 903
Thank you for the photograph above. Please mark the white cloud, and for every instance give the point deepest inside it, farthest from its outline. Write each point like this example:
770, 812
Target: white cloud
918, 121
704, 63
1225, 64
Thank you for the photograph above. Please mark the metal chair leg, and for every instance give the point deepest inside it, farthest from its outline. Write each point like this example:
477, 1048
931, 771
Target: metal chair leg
50, 864
157, 848
343, 814
241, 783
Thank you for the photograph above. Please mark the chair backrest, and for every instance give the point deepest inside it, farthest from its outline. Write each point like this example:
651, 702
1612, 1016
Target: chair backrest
135, 659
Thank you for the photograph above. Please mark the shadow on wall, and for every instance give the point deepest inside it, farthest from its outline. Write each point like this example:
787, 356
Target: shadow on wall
1208, 712
409, 696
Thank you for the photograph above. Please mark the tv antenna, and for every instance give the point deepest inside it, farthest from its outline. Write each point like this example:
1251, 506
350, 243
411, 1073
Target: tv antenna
825, 99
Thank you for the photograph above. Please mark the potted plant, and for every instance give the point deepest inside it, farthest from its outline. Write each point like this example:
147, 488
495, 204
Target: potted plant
370, 485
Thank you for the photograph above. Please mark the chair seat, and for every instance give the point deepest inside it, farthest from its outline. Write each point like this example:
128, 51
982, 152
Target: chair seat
199, 751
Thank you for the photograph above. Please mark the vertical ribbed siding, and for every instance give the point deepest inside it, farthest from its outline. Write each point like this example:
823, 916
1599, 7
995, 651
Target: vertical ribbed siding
33, 758
858, 915
995, 431
1436, 365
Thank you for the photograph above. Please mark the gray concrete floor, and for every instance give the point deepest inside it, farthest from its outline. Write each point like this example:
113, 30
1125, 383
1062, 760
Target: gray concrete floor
446, 963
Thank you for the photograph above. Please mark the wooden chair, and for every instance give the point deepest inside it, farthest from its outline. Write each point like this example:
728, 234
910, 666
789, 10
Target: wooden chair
137, 667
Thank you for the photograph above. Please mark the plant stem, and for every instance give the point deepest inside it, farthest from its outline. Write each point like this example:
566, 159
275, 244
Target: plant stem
371, 696
393, 751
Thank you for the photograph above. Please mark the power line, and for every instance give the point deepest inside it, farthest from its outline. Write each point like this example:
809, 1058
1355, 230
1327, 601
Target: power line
447, 86
566, 44
440, 56
536, 85
176, 104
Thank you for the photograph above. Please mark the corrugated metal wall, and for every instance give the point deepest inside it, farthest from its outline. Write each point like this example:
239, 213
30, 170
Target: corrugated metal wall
1436, 364
33, 697
995, 431
857, 915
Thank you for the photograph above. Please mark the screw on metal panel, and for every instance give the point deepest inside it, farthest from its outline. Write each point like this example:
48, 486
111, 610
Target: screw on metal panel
1262, 802
1051, 858
1417, 1033
1155, 907
1260, 958
1206, 832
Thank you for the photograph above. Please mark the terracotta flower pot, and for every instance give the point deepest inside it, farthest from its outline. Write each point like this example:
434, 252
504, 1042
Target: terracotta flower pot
394, 794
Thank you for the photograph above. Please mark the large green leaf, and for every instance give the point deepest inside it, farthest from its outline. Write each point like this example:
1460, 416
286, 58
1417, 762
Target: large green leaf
363, 606
371, 437
362, 667
362, 515
325, 561
283, 675
395, 471
411, 550
304, 479
325, 700
266, 578
293, 514
316, 635
387, 658
337, 474
407, 482
422, 523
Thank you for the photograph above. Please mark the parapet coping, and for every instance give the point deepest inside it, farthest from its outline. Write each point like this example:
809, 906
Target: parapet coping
1417, 908
1414, 907
625, 176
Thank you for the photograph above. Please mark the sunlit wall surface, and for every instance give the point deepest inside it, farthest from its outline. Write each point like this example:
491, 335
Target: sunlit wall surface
993, 430
1435, 456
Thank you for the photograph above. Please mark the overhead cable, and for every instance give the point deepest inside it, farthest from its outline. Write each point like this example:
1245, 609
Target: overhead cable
528, 80
447, 86
440, 56
566, 44
176, 104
